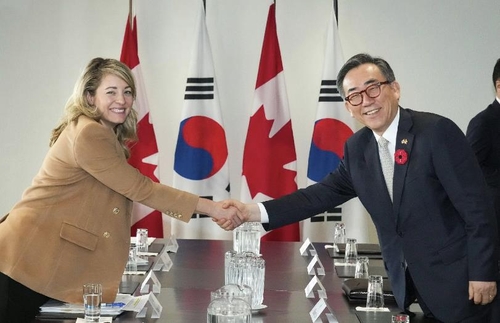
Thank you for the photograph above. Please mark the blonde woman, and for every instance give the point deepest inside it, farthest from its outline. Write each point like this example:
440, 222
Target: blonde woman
72, 225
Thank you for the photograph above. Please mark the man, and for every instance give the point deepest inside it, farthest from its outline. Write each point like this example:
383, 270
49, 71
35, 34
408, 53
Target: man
483, 134
433, 217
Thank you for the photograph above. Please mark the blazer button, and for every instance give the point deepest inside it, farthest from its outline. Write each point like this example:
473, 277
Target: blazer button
116, 210
106, 235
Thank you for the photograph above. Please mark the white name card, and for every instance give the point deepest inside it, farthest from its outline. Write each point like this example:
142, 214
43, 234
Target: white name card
309, 290
172, 245
163, 262
151, 283
318, 310
155, 305
312, 265
304, 248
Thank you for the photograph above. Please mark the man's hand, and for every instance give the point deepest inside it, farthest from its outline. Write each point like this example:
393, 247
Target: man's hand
239, 213
482, 292
249, 212
226, 217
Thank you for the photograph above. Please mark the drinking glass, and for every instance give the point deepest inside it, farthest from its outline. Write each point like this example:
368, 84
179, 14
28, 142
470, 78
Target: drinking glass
338, 235
231, 291
229, 310
351, 252
246, 237
142, 240
132, 259
361, 267
227, 259
375, 296
92, 298
247, 268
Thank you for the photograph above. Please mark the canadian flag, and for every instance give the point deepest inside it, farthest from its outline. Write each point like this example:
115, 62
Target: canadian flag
333, 126
144, 152
269, 158
201, 155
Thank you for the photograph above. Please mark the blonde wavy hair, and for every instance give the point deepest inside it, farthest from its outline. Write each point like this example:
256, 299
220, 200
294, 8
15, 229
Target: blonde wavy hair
88, 83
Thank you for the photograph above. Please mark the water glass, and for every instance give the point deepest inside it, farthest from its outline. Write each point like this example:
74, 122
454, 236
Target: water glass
227, 259
92, 298
132, 259
375, 295
233, 291
400, 318
361, 267
247, 268
142, 240
246, 237
351, 252
229, 310
338, 234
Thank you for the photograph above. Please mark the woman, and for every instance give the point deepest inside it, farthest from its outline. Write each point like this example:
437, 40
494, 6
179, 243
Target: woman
72, 225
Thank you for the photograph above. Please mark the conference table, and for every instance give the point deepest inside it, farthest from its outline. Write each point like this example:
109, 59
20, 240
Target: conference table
198, 269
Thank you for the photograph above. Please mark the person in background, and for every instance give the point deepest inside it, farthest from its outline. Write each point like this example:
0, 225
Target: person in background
72, 225
427, 199
483, 134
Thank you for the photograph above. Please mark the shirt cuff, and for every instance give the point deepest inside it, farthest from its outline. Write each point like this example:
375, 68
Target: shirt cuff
264, 217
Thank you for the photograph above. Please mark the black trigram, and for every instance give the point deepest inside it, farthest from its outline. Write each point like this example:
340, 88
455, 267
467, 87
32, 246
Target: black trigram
329, 91
199, 88
333, 215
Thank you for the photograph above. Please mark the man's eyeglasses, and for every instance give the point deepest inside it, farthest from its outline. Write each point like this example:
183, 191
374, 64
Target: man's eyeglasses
372, 91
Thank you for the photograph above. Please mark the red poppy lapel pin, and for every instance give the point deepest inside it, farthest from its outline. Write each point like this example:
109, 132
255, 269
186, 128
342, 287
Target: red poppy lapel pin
401, 156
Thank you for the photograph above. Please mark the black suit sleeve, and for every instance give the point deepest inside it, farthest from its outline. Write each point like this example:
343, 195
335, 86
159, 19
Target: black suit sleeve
333, 190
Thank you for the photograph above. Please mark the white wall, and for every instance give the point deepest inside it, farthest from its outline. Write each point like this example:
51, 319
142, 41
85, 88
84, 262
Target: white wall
442, 53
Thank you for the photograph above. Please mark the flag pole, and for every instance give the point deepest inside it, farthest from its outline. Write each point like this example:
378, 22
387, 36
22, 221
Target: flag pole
335, 9
130, 12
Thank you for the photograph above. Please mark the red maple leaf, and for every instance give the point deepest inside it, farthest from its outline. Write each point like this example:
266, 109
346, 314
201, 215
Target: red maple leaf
264, 158
143, 148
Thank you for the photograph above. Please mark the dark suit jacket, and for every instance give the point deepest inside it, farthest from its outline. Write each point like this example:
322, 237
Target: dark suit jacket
483, 134
440, 222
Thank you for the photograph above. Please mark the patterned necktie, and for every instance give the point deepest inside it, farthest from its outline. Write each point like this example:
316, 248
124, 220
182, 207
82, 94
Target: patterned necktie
387, 163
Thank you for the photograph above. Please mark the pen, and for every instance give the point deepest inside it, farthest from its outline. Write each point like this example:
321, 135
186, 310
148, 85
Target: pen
112, 304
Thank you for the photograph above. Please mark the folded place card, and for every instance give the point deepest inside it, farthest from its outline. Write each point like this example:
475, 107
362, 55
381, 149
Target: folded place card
309, 290
172, 245
318, 310
151, 284
307, 246
155, 306
163, 262
315, 263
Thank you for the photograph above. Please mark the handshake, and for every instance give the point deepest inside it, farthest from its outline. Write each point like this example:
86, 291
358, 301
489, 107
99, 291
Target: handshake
229, 214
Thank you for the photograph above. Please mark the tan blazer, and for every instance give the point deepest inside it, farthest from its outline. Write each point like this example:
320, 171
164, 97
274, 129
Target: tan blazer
72, 225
